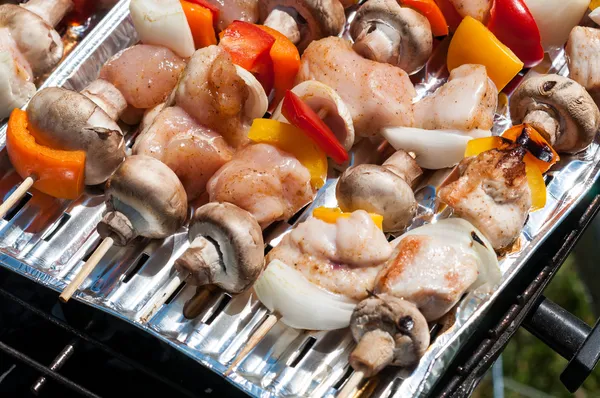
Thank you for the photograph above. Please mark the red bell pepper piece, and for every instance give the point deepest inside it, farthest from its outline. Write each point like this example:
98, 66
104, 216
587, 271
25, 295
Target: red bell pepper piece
512, 23
250, 48
452, 16
214, 10
302, 116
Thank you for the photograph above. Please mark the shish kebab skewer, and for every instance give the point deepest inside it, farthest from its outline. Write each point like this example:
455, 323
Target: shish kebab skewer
144, 197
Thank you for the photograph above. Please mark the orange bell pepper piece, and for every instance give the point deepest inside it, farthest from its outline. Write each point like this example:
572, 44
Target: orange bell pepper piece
201, 23
286, 62
250, 48
543, 155
431, 11
292, 140
58, 173
473, 43
331, 215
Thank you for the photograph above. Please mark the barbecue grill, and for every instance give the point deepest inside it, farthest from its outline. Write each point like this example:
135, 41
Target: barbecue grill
107, 348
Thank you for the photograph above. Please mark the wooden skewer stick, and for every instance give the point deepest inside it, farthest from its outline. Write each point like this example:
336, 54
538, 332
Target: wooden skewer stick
16, 195
350, 388
256, 337
87, 269
164, 296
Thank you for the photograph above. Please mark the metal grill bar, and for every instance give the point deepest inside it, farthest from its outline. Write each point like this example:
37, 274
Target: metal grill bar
94, 342
46, 371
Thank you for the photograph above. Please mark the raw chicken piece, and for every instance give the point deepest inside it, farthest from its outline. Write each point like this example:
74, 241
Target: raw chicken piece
193, 152
583, 52
492, 193
269, 183
466, 102
211, 91
434, 265
232, 10
16, 85
478, 9
377, 94
343, 258
144, 74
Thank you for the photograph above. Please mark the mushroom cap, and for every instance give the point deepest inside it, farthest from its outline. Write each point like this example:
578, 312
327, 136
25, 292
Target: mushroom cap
322, 98
240, 245
64, 119
37, 40
400, 319
385, 32
149, 194
323, 17
559, 108
257, 103
376, 189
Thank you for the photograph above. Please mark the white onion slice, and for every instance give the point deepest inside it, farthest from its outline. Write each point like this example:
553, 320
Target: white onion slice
434, 149
595, 16
460, 229
163, 23
300, 303
257, 103
556, 18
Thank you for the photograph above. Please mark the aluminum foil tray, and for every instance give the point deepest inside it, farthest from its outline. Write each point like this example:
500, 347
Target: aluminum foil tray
48, 240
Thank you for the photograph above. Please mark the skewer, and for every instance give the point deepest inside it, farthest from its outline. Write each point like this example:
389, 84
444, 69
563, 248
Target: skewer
256, 337
351, 385
16, 195
166, 293
87, 268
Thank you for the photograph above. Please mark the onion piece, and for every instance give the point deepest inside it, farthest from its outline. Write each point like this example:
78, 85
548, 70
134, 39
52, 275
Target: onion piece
595, 16
163, 23
434, 149
300, 303
462, 230
257, 103
556, 18
330, 107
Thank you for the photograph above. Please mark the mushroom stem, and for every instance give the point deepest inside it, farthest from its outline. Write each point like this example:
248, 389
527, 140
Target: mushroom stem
374, 351
51, 11
404, 166
203, 256
117, 226
283, 19
544, 123
376, 46
322, 113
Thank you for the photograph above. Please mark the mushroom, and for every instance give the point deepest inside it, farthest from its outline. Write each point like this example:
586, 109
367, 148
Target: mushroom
385, 32
558, 108
144, 197
329, 106
303, 21
31, 27
226, 249
385, 190
389, 331
107, 97
64, 119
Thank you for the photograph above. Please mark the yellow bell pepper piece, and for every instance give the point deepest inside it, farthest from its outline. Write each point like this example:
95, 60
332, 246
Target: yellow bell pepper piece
536, 183
331, 215
291, 139
594, 4
480, 145
473, 43
535, 178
